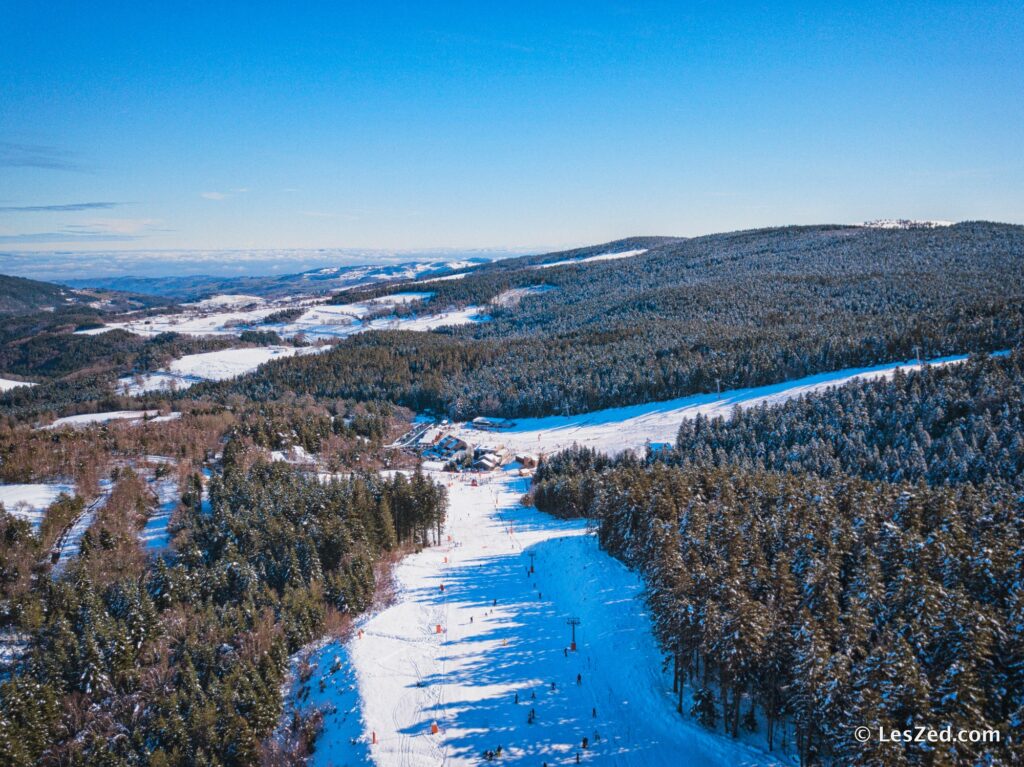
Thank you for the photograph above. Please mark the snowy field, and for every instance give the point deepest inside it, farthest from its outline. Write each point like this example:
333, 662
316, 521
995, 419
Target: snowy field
504, 633
31, 501
88, 419
633, 427
318, 320
210, 366
591, 259
6, 384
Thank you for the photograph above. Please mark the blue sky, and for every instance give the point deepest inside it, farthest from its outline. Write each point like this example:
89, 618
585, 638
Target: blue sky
464, 125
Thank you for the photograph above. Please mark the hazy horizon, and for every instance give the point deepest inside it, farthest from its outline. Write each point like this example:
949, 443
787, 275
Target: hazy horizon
463, 127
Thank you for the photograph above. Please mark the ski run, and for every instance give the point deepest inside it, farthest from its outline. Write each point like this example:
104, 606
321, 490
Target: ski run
475, 650
457, 659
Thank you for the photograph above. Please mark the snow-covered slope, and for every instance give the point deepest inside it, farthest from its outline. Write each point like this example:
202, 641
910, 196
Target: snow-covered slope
633, 427
87, 419
31, 501
316, 321
503, 634
599, 257
6, 384
210, 366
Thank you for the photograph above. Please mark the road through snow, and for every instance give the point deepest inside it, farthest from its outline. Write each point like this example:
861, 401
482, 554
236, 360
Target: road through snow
503, 633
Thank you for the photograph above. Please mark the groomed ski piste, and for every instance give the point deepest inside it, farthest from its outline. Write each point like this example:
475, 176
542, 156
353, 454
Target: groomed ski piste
503, 631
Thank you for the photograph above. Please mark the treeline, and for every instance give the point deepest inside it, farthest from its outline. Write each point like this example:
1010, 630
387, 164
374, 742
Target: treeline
181, 662
314, 427
77, 371
805, 607
743, 309
945, 425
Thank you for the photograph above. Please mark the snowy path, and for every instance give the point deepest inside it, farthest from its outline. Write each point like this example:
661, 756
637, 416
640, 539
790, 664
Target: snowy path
633, 427
70, 544
465, 679
155, 537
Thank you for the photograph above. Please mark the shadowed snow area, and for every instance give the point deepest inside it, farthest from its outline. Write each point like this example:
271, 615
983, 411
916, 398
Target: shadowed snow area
504, 632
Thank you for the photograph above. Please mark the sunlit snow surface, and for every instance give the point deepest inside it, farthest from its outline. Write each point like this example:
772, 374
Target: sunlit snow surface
317, 321
88, 419
210, 366
591, 259
464, 679
31, 501
6, 384
634, 426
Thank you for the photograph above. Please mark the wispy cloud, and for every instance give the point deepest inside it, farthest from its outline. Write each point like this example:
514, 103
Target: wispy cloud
318, 214
96, 230
61, 208
223, 195
58, 237
14, 155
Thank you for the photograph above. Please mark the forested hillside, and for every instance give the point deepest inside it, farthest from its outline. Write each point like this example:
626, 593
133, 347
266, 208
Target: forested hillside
179, 658
847, 558
945, 425
742, 309
18, 294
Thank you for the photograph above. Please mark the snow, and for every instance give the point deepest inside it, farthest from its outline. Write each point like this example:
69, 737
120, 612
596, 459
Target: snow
13, 645
87, 419
296, 454
155, 536
226, 301
400, 298
196, 323
904, 223
398, 677
70, 544
444, 279
513, 296
31, 501
318, 320
635, 426
211, 366
591, 259
6, 384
